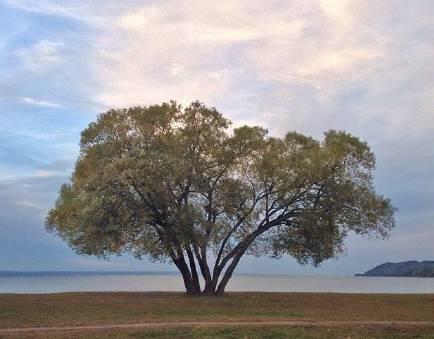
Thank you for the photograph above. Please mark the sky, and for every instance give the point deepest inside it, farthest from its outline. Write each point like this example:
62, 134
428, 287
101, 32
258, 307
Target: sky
366, 67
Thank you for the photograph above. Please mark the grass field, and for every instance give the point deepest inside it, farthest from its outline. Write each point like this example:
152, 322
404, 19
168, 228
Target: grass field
83, 309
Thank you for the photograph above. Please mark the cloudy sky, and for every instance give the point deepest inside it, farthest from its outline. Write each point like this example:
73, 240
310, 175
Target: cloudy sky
363, 66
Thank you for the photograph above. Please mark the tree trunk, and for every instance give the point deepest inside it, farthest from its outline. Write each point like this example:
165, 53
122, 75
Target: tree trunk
188, 283
204, 268
194, 275
240, 249
228, 274
182, 266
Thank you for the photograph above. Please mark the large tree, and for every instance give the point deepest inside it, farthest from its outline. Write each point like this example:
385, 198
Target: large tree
178, 184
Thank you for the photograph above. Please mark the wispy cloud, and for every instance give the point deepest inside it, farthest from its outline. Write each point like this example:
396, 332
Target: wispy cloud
37, 102
48, 173
47, 8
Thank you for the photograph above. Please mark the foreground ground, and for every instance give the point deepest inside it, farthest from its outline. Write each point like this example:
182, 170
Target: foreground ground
250, 315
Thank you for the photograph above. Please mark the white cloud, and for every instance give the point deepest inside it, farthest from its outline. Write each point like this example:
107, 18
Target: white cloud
42, 55
37, 102
160, 51
308, 65
216, 75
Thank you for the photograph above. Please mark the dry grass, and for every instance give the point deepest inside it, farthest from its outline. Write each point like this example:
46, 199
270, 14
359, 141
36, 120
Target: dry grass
248, 332
119, 308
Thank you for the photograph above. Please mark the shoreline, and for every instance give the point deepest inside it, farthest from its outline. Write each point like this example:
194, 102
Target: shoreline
226, 293
131, 282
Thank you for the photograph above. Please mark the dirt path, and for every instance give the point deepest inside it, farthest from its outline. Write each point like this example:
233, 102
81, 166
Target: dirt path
217, 324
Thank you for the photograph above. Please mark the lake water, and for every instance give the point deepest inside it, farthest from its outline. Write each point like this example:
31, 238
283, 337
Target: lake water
52, 282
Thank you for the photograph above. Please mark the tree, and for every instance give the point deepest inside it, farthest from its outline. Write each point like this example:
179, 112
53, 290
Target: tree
176, 184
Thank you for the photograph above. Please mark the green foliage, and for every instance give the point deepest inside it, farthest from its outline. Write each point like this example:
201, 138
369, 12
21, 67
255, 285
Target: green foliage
162, 181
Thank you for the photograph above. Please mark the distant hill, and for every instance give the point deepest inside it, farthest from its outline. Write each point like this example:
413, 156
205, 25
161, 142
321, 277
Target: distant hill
402, 269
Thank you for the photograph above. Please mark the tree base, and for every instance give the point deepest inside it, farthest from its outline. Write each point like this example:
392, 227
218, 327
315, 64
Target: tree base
205, 294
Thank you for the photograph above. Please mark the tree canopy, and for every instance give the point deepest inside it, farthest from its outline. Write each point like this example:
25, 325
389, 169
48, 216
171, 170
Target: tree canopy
178, 184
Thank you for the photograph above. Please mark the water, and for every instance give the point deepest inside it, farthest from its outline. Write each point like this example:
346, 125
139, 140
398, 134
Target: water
52, 282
